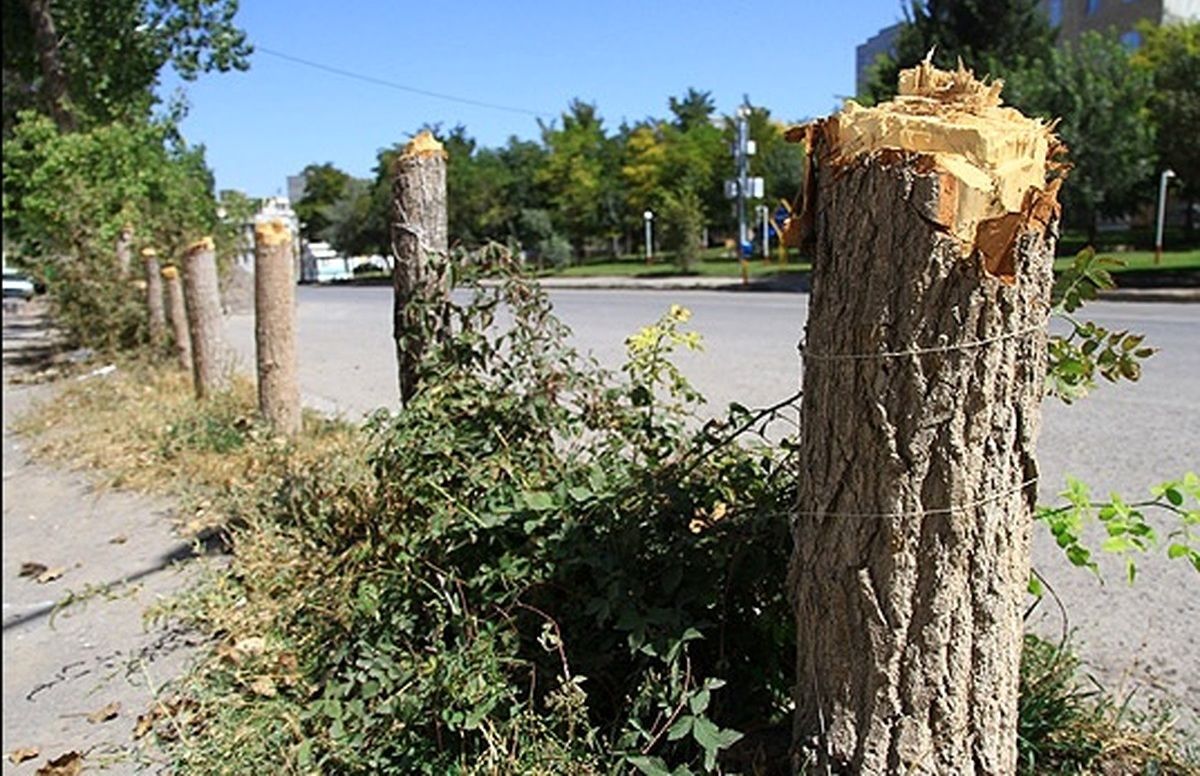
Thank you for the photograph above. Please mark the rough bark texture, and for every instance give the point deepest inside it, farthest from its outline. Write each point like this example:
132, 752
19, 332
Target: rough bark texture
204, 317
916, 487
125, 250
420, 248
275, 327
50, 60
154, 297
178, 314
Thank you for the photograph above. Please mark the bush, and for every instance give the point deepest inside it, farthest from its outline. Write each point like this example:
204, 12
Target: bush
683, 226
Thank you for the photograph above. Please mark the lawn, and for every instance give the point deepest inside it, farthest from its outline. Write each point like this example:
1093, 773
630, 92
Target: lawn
714, 262
1143, 261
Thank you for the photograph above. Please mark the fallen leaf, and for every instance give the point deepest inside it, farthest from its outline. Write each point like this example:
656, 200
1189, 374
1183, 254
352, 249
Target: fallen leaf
69, 764
49, 575
263, 686
29, 569
254, 645
105, 714
18, 756
118, 539
145, 723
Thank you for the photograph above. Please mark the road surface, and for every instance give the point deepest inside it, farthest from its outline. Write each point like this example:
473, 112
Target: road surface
1123, 438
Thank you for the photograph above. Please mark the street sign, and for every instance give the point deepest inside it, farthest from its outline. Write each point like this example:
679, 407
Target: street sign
754, 188
731, 189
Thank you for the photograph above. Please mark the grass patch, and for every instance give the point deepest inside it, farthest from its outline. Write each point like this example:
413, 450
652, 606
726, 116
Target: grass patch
1143, 261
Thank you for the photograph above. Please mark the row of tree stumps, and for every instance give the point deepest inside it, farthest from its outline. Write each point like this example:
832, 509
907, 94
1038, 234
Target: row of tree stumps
193, 310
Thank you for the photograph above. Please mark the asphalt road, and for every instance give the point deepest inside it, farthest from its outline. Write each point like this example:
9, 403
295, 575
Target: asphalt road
1123, 438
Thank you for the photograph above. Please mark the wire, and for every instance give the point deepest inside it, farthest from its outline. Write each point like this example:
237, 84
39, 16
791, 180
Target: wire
919, 351
923, 512
401, 87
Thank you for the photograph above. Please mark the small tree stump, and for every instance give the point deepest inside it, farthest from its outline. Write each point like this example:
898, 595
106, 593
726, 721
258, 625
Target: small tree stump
275, 327
933, 220
421, 252
154, 297
178, 315
125, 250
204, 316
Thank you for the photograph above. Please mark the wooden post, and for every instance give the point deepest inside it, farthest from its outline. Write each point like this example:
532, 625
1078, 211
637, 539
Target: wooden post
154, 296
204, 316
275, 327
420, 248
933, 220
125, 250
178, 315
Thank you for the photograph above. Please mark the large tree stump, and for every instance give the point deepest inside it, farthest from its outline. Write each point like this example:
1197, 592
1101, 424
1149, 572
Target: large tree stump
154, 296
932, 219
275, 327
204, 316
421, 252
177, 311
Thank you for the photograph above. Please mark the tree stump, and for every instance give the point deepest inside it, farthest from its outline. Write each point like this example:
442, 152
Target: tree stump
178, 315
421, 252
932, 219
125, 250
204, 316
275, 327
154, 297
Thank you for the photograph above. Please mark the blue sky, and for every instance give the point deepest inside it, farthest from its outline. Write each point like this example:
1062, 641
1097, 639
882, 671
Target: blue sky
794, 57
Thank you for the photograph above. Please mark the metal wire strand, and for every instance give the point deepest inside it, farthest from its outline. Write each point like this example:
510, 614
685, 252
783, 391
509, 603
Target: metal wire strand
924, 512
808, 355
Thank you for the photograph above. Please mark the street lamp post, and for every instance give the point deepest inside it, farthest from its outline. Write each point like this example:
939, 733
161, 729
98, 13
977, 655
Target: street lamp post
1162, 213
648, 216
766, 236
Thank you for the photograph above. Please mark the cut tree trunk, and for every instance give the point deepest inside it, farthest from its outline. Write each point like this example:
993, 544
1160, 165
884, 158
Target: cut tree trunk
419, 244
177, 311
932, 223
125, 250
54, 79
154, 297
204, 317
275, 327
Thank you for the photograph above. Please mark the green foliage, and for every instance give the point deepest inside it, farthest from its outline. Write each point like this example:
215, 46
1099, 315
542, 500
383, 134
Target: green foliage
113, 52
1127, 532
989, 36
324, 185
67, 197
1102, 104
577, 172
1075, 359
682, 227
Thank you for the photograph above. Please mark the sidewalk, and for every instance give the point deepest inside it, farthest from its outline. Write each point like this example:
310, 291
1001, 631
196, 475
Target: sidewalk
116, 554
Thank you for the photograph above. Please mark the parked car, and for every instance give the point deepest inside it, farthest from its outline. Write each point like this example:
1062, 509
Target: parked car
17, 285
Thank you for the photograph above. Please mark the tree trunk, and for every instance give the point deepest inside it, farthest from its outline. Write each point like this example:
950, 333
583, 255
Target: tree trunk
933, 227
275, 327
45, 39
178, 314
420, 246
125, 250
204, 317
154, 297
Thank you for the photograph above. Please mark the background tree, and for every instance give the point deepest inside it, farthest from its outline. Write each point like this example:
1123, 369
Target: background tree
324, 184
990, 36
1171, 54
1103, 104
84, 62
573, 172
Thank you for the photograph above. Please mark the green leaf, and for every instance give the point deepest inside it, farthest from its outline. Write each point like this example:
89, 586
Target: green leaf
1117, 544
681, 728
650, 766
1035, 586
1177, 550
699, 702
538, 500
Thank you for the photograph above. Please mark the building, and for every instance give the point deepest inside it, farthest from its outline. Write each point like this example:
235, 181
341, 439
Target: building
1075, 17
882, 42
1072, 17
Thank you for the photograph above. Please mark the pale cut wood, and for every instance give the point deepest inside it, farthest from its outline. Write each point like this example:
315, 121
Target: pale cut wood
275, 327
421, 251
204, 317
125, 250
924, 367
177, 311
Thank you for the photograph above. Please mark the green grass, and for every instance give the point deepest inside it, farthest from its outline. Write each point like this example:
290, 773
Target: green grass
1143, 261
714, 262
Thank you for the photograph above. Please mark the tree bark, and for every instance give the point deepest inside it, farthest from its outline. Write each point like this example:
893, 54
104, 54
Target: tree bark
54, 79
420, 246
154, 297
275, 327
125, 250
924, 367
204, 317
178, 314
